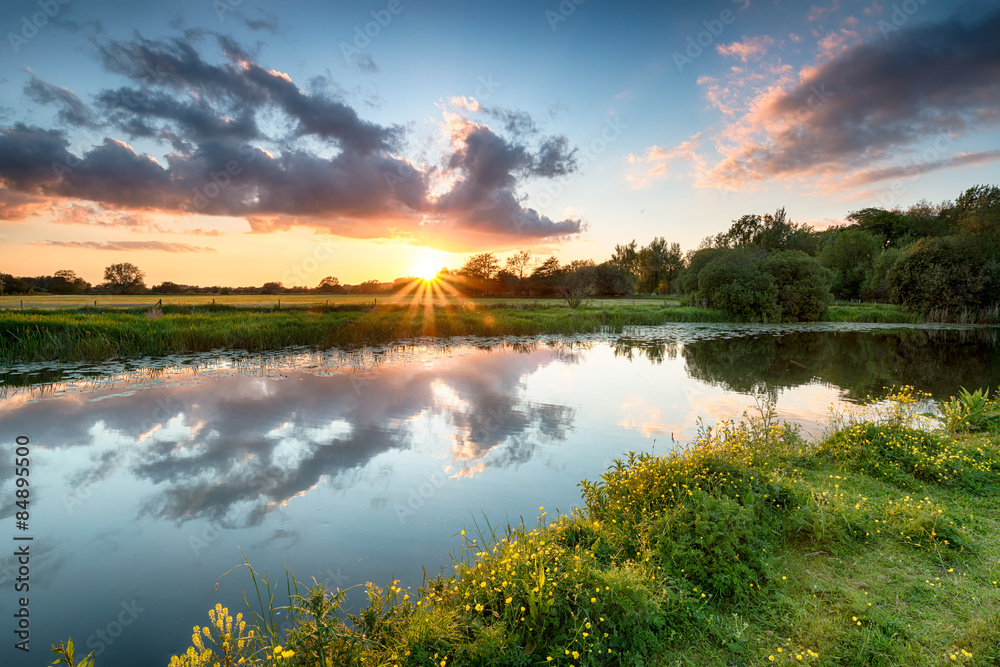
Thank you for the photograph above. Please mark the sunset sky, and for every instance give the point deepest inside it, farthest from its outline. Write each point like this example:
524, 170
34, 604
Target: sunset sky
233, 142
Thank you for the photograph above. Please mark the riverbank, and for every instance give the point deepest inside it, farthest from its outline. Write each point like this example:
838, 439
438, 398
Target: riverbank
96, 334
879, 545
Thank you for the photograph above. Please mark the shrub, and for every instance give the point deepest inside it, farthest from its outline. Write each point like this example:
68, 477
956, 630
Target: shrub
803, 285
945, 273
734, 282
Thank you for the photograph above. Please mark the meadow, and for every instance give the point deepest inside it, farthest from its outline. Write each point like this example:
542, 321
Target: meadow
877, 545
72, 329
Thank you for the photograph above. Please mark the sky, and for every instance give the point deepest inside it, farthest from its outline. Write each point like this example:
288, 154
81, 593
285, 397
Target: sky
234, 142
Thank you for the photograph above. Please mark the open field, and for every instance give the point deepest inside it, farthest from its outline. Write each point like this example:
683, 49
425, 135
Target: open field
55, 301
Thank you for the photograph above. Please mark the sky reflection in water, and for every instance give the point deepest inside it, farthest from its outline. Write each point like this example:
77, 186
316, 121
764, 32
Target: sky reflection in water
351, 468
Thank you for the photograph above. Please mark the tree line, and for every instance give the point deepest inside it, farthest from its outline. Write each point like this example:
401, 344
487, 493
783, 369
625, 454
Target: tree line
942, 260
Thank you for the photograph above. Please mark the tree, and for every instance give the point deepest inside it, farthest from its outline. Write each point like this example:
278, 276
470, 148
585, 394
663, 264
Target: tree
125, 278
610, 280
697, 260
67, 282
850, 254
484, 266
803, 285
626, 258
770, 232
658, 263
978, 212
272, 288
518, 263
167, 287
944, 273
329, 285
734, 282
577, 281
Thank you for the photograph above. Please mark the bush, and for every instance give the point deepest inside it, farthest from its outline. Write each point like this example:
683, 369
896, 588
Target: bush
944, 273
735, 283
803, 285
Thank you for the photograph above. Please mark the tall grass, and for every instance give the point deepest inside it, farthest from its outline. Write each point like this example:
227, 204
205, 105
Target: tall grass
97, 334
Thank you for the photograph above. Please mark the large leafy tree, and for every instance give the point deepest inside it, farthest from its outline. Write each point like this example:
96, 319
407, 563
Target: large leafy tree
125, 278
484, 266
803, 285
850, 255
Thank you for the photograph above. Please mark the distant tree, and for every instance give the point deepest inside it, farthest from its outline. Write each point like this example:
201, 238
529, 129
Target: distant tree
67, 282
272, 288
329, 285
518, 263
577, 281
978, 214
888, 225
484, 266
167, 287
803, 285
368, 287
769, 232
658, 263
850, 255
696, 261
610, 280
876, 284
124, 278
626, 258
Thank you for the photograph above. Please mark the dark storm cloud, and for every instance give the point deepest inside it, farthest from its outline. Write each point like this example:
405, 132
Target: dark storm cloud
72, 110
484, 200
873, 99
208, 115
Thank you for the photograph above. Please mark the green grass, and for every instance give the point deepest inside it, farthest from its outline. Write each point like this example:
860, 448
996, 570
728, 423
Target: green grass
98, 334
80, 332
879, 545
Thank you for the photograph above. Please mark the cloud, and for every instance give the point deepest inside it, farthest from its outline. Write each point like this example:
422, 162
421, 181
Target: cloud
753, 48
239, 139
867, 106
128, 246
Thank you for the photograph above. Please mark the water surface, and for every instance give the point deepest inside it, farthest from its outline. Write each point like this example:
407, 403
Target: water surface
147, 478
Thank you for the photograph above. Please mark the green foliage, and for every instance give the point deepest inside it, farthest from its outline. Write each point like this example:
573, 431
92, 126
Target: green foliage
803, 285
850, 255
946, 273
734, 282
876, 283
971, 412
65, 654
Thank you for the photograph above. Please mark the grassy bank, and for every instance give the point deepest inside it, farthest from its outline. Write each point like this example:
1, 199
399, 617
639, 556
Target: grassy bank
94, 334
879, 545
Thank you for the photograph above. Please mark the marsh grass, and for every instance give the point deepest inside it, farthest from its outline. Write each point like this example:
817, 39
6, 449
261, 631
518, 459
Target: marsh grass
89, 334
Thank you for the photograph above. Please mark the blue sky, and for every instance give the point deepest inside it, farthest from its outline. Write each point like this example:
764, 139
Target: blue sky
367, 139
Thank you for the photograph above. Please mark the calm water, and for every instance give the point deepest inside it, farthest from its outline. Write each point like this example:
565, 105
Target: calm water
147, 480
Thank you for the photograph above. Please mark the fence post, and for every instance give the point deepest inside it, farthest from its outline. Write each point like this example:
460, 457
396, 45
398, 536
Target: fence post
22, 304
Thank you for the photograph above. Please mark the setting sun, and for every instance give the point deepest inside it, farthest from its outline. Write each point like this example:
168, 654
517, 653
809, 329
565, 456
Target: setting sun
425, 271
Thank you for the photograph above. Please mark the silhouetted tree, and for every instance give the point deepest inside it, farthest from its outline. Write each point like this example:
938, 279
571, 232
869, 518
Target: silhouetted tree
124, 278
